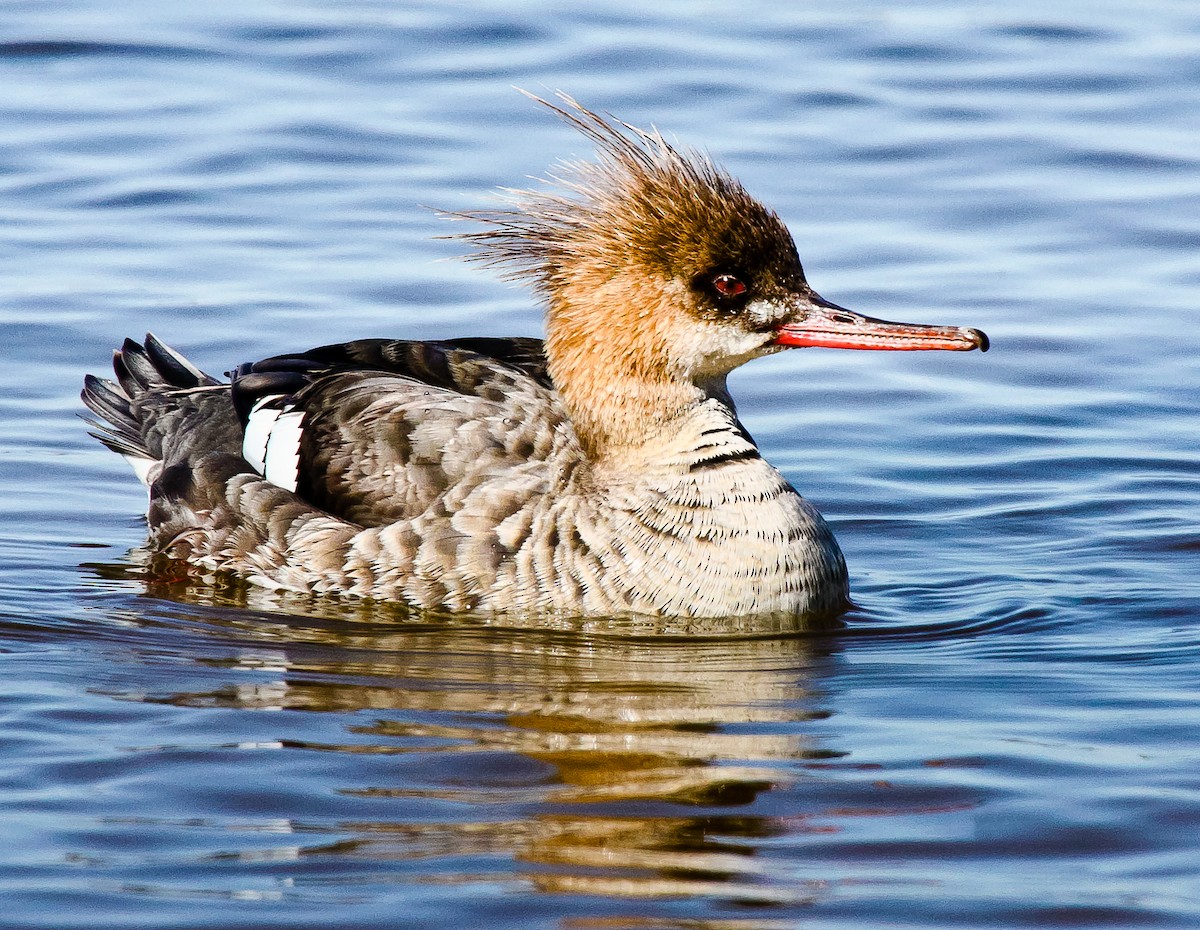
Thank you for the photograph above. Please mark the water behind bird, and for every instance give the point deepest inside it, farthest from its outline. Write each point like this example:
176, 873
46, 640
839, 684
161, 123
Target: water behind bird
1004, 733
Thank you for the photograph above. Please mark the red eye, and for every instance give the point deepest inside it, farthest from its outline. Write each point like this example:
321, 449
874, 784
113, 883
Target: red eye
728, 285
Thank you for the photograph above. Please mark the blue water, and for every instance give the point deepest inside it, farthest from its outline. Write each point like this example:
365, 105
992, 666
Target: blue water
1007, 733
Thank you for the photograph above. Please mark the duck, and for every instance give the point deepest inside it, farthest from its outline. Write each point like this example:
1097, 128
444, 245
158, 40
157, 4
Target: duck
601, 470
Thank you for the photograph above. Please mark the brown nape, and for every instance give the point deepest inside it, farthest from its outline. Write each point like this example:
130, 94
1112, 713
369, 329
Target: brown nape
613, 371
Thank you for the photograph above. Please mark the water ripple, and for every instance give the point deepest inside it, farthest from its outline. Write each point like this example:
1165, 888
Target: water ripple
1002, 733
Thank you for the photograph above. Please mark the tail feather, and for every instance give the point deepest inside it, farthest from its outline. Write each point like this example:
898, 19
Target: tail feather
171, 365
135, 371
116, 425
126, 410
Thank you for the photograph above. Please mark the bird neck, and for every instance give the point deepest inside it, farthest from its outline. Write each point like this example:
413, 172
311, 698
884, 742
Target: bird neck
608, 356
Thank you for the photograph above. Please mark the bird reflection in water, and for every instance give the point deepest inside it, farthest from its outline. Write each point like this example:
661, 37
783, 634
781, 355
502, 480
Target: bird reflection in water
604, 764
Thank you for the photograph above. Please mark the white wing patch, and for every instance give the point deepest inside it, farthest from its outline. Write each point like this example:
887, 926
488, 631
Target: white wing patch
282, 465
258, 431
271, 443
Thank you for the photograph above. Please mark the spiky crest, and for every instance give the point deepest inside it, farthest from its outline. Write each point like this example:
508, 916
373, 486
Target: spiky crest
641, 203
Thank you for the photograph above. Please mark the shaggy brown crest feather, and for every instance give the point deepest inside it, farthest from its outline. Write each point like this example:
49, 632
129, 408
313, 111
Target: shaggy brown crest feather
641, 203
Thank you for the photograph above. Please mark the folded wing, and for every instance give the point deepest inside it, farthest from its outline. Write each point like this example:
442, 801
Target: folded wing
379, 431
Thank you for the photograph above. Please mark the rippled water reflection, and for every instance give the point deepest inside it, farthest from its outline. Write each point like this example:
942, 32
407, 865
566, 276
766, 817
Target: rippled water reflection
1002, 735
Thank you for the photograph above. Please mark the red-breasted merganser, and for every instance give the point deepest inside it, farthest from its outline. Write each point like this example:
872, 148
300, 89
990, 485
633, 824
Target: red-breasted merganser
602, 471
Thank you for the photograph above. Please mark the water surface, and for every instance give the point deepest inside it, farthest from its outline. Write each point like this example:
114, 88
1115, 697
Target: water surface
1006, 732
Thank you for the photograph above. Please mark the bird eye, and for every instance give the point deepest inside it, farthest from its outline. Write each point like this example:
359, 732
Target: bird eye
728, 285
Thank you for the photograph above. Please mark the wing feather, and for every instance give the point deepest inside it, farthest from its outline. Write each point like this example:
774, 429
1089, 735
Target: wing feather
393, 430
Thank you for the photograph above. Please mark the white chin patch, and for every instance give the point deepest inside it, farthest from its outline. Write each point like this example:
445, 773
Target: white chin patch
764, 312
272, 441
